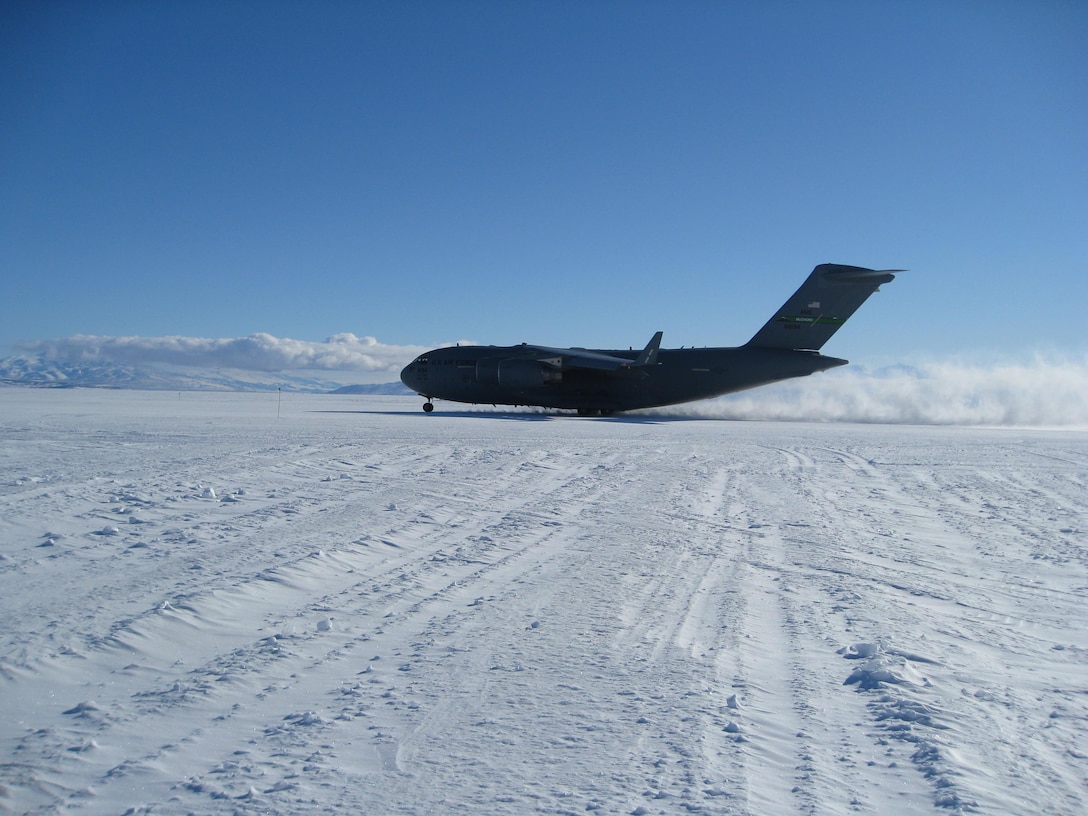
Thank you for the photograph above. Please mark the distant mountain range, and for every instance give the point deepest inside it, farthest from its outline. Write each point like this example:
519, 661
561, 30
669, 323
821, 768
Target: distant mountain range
31, 370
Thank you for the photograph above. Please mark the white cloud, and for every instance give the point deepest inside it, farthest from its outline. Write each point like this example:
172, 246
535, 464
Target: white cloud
257, 352
1038, 393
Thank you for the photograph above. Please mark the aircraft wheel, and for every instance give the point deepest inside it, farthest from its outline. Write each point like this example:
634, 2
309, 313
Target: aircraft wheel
428, 407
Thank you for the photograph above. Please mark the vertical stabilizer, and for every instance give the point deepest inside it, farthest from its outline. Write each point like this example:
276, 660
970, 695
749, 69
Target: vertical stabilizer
825, 300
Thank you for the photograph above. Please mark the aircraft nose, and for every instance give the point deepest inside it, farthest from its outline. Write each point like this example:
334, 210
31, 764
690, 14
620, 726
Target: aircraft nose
408, 375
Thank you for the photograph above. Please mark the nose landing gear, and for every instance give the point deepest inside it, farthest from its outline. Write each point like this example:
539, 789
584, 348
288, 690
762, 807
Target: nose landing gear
428, 406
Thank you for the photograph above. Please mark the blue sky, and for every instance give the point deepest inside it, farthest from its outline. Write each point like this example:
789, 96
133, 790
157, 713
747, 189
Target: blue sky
551, 172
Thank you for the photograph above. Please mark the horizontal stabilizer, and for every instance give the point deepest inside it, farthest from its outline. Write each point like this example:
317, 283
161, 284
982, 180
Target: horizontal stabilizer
825, 300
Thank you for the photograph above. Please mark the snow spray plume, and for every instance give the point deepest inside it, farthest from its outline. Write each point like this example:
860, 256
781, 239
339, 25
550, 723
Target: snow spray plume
1041, 393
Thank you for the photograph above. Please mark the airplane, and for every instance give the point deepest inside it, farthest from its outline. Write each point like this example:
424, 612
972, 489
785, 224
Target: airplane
596, 382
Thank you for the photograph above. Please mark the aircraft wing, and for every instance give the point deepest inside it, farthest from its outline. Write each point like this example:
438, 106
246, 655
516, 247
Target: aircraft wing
570, 358
581, 358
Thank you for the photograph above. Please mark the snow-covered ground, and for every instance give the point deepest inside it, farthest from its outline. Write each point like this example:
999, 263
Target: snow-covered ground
353, 607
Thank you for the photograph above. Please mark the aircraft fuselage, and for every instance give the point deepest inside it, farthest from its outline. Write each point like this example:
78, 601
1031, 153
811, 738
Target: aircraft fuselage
516, 375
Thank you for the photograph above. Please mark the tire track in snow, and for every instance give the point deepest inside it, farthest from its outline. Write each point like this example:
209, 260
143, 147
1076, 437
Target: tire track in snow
411, 575
798, 512
921, 571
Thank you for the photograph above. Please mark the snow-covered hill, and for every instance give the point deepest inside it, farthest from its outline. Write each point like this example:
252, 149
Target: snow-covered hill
37, 370
353, 607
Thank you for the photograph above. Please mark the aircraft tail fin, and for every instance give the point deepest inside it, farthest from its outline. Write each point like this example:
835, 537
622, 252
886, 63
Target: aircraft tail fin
649, 354
825, 300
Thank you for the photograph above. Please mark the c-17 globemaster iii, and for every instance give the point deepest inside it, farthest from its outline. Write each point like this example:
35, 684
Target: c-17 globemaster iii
601, 382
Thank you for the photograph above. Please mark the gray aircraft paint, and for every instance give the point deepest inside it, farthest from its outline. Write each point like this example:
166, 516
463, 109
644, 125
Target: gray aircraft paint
605, 381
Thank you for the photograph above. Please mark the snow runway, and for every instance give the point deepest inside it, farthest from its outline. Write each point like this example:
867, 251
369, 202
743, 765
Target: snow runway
353, 607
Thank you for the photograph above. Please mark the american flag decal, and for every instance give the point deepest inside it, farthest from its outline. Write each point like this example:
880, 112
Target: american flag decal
814, 305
